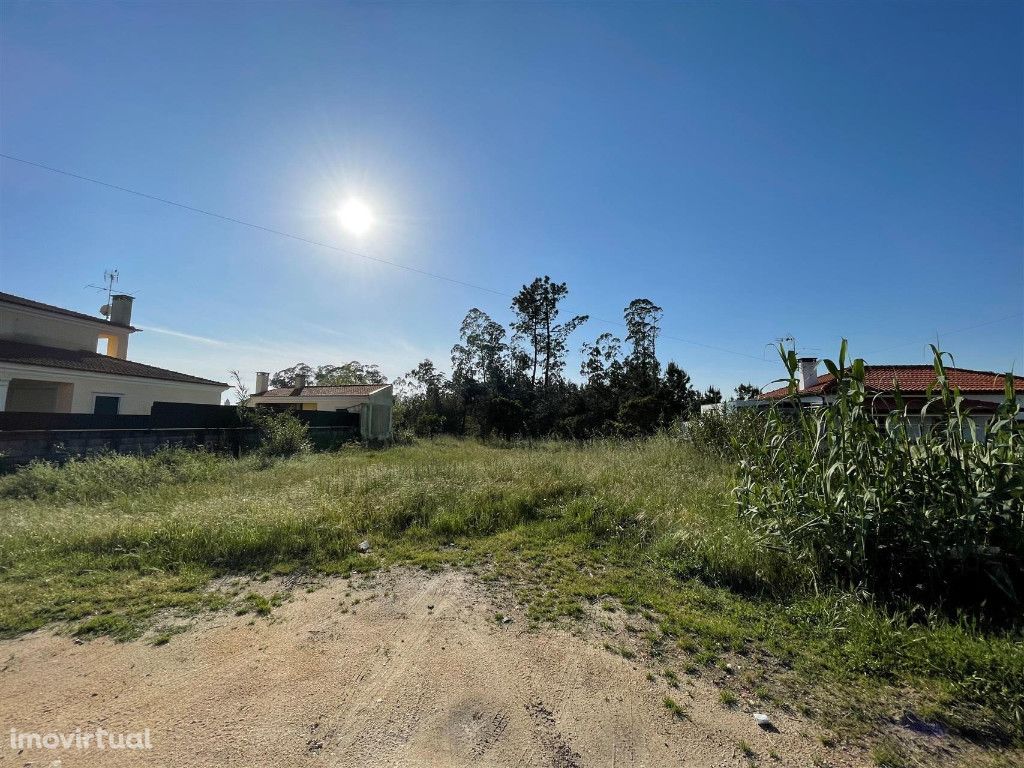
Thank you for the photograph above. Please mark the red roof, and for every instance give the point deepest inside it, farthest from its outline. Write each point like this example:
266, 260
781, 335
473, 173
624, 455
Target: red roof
913, 379
21, 301
91, 362
343, 390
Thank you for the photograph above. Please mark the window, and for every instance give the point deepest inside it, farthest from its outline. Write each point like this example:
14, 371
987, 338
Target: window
107, 405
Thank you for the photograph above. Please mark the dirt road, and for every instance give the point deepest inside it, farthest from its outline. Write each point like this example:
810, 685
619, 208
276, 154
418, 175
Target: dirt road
404, 669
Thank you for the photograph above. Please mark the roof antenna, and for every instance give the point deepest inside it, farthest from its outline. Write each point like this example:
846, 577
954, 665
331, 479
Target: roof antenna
109, 280
780, 341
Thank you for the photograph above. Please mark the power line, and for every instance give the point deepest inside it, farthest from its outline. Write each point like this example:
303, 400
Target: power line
253, 225
955, 330
338, 249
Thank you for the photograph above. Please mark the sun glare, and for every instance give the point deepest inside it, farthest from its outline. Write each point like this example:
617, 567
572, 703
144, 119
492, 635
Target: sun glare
356, 217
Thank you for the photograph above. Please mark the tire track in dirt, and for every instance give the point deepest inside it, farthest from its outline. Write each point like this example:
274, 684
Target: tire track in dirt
392, 685
396, 714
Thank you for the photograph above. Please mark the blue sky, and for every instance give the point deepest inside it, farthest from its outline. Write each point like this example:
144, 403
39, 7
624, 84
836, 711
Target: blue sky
758, 169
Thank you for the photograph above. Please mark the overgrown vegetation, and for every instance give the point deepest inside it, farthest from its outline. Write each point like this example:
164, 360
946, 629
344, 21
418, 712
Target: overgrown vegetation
109, 475
277, 433
648, 524
863, 497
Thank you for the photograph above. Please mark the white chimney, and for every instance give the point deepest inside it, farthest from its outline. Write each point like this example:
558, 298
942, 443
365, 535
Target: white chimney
121, 309
262, 382
300, 380
808, 372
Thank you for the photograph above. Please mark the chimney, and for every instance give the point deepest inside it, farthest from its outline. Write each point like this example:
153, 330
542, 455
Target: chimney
808, 372
300, 380
121, 309
262, 382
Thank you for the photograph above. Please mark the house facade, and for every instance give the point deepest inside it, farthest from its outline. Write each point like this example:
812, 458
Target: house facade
56, 360
373, 402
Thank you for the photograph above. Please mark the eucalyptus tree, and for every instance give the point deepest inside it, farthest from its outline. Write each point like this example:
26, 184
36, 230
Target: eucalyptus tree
536, 323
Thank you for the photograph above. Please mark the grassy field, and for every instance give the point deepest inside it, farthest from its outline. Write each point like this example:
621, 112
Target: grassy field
648, 526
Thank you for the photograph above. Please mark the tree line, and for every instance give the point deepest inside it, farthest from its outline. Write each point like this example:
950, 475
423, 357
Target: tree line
511, 382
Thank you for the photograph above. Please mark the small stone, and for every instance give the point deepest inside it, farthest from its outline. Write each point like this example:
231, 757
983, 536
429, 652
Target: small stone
364, 546
506, 620
763, 720
430, 607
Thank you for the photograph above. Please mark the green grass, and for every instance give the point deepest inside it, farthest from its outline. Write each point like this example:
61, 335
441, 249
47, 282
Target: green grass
677, 709
646, 527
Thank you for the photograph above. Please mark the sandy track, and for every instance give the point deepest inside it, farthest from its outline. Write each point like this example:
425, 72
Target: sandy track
388, 682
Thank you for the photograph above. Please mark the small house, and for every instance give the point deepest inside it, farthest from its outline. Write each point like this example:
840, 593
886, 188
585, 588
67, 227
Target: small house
373, 402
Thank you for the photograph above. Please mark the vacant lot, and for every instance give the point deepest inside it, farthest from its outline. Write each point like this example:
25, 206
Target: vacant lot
634, 548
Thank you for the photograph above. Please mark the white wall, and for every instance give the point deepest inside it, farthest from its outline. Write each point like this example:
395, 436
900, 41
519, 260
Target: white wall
33, 326
137, 394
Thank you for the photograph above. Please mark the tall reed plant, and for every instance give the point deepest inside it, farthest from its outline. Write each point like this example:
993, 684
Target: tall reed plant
866, 492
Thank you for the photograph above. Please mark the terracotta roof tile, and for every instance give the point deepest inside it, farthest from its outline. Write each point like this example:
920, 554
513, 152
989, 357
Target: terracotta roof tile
90, 362
913, 379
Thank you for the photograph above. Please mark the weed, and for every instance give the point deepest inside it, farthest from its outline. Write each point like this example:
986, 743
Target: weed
889, 753
677, 709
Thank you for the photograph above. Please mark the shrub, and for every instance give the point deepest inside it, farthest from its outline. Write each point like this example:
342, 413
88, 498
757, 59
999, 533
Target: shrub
277, 434
726, 434
863, 502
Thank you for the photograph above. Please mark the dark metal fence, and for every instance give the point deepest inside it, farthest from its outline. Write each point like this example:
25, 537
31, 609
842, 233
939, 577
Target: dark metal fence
56, 436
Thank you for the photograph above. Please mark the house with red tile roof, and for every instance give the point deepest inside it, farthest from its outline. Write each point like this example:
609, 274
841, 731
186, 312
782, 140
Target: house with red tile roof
373, 402
56, 360
982, 391
913, 381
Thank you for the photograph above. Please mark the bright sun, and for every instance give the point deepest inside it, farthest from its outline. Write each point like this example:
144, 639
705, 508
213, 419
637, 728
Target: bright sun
355, 216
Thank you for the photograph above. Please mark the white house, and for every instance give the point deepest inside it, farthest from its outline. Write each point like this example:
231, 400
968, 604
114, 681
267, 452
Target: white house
55, 360
373, 402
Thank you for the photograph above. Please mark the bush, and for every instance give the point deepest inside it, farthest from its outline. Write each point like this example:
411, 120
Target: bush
277, 433
726, 434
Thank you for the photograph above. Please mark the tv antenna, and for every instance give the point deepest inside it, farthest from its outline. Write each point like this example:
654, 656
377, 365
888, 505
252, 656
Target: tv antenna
780, 341
109, 281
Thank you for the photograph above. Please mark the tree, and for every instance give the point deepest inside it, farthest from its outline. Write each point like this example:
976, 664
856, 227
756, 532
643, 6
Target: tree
288, 376
710, 396
238, 388
601, 361
352, 372
481, 353
422, 381
747, 392
680, 398
536, 308
642, 318
423, 402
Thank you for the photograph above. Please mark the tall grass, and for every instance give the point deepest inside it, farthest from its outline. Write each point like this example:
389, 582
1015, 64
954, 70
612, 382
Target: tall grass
110, 475
863, 501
